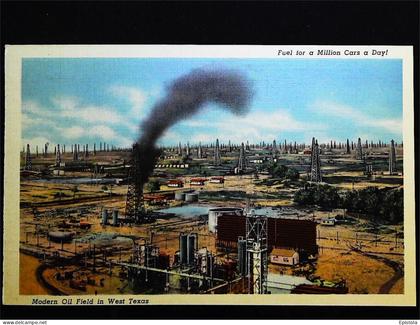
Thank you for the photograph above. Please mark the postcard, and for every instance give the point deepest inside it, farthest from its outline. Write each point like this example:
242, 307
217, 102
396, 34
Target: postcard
253, 175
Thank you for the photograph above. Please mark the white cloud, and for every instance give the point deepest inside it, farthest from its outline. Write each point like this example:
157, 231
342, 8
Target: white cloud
31, 122
33, 108
101, 131
358, 116
66, 103
39, 141
73, 132
135, 96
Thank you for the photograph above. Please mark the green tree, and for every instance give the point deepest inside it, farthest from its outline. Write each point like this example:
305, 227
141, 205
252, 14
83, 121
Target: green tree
153, 185
292, 174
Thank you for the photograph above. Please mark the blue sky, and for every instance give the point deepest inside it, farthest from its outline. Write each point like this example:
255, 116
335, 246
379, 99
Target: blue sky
91, 100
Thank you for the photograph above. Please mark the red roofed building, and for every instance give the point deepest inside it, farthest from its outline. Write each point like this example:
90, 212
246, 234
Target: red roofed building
198, 181
175, 183
217, 179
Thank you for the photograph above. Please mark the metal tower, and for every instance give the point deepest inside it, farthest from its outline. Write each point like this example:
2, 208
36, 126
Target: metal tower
199, 151
28, 159
217, 153
241, 161
46, 149
134, 208
179, 149
359, 150
348, 147
274, 149
315, 163
75, 153
256, 248
58, 156
392, 159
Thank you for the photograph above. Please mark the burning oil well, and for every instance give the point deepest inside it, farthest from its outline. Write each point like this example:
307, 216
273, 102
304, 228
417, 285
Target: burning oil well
185, 96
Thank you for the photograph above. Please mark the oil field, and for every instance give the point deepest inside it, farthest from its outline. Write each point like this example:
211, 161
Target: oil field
213, 218
176, 176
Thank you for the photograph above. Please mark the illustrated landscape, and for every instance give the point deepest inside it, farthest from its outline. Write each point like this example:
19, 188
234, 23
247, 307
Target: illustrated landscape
209, 176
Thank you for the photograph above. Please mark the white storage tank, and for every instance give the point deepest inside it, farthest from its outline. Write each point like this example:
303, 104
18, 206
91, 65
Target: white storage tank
216, 212
115, 217
191, 197
104, 217
179, 196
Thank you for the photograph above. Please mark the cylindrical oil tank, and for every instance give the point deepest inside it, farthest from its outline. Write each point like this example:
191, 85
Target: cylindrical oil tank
163, 261
183, 239
179, 196
60, 236
104, 216
242, 260
216, 212
191, 248
191, 197
115, 217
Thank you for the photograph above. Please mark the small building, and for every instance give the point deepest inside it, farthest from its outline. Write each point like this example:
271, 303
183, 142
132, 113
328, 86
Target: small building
340, 212
155, 198
307, 152
217, 179
284, 256
175, 183
328, 221
198, 181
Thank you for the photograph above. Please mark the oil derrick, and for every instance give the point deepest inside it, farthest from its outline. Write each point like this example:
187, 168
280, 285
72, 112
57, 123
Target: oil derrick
392, 159
348, 147
187, 149
37, 151
58, 156
199, 151
315, 163
359, 150
241, 161
46, 149
257, 255
134, 208
94, 149
179, 149
217, 154
87, 151
75, 153
229, 147
28, 159
274, 149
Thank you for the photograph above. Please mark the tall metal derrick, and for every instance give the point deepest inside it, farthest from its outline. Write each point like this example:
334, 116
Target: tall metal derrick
217, 160
392, 159
315, 172
359, 150
134, 208
257, 253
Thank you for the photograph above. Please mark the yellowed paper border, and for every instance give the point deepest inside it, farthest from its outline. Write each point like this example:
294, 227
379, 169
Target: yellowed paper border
13, 59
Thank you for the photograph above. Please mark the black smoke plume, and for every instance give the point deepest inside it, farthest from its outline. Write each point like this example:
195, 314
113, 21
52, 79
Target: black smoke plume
185, 96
